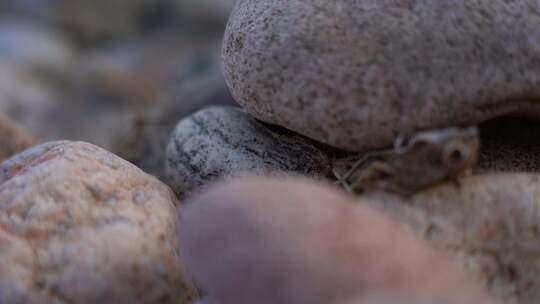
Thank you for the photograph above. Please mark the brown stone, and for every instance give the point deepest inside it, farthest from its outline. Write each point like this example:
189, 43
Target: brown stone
80, 225
219, 143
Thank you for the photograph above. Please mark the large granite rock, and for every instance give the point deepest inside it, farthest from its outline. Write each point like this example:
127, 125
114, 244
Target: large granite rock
223, 142
80, 225
355, 73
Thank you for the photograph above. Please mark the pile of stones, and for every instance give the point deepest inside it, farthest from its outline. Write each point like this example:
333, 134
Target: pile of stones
246, 212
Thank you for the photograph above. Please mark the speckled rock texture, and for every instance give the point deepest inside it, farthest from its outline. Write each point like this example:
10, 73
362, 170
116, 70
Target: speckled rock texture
354, 73
13, 138
223, 142
490, 225
80, 225
291, 241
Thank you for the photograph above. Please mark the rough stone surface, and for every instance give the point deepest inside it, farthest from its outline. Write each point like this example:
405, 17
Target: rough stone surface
14, 138
258, 240
490, 225
224, 142
80, 225
354, 73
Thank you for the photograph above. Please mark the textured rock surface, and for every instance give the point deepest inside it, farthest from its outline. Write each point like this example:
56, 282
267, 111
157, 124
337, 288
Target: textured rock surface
14, 138
354, 73
223, 142
259, 240
490, 225
80, 225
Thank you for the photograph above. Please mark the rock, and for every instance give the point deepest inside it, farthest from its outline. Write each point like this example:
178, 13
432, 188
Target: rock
490, 225
14, 138
258, 240
224, 142
81, 225
355, 73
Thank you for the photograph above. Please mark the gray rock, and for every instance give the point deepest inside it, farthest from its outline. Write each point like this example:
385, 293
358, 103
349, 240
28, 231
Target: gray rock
223, 142
354, 73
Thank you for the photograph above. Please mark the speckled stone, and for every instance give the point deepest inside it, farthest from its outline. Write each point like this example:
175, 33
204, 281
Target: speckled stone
354, 73
223, 142
292, 241
14, 138
489, 224
80, 225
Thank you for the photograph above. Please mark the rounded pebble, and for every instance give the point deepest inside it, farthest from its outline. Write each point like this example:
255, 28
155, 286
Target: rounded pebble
223, 142
356, 73
80, 225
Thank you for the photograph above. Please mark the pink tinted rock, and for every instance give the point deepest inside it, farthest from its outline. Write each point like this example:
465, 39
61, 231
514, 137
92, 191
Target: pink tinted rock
355, 73
82, 225
259, 240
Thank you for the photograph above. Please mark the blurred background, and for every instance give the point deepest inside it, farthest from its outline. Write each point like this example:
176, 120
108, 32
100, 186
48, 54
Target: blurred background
117, 73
